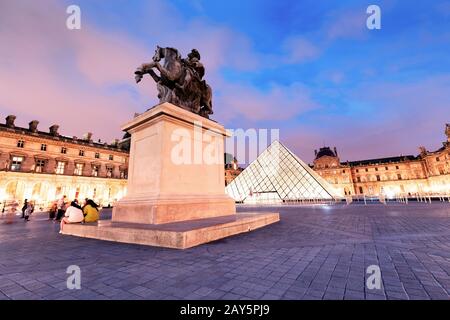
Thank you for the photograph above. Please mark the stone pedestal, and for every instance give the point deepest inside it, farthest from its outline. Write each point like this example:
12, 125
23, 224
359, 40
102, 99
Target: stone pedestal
176, 169
176, 185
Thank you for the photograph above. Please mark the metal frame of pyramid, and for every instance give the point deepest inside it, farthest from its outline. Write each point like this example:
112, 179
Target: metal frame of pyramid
278, 174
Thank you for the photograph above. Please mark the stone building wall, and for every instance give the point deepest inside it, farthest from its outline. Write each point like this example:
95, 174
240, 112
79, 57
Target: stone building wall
43, 166
427, 173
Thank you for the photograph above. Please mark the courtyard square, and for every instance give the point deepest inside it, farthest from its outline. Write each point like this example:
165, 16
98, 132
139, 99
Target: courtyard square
314, 252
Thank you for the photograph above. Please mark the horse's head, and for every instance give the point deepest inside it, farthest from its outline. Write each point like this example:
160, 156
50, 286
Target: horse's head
163, 53
159, 54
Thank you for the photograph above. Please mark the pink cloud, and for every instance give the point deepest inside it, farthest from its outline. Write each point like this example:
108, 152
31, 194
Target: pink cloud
56, 75
277, 103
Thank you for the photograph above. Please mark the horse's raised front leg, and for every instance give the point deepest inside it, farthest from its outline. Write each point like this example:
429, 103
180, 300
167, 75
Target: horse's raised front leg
143, 69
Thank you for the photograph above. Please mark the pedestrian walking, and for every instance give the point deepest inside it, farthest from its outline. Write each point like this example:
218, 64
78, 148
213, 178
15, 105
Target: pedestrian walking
29, 210
24, 207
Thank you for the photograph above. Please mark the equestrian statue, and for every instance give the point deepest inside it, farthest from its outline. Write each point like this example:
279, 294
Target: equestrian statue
180, 81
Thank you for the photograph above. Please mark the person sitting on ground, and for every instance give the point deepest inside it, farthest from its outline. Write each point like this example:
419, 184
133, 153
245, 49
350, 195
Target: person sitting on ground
73, 215
90, 211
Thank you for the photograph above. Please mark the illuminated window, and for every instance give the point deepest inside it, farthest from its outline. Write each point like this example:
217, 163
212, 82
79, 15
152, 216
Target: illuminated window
16, 163
78, 169
40, 164
60, 167
95, 170
109, 172
20, 144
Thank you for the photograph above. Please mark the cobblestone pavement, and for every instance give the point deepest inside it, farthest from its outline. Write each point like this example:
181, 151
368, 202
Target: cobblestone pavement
313, 253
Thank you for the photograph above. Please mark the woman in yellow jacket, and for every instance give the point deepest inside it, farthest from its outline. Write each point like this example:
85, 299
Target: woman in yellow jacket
90, 211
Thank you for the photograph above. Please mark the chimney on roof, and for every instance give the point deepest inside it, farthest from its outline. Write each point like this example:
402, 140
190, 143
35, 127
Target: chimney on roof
33, 126
447, 131
10, 121
54, 130
335, 152
115, 142
315, 152
88, 136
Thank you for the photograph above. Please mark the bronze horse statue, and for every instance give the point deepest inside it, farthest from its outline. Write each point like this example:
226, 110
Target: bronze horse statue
179, 81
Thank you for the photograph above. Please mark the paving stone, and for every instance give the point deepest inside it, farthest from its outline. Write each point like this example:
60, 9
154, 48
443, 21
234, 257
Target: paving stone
311, 254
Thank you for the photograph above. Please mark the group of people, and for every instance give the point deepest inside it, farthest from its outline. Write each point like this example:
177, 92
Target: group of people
71, 212
61, 211
27, 210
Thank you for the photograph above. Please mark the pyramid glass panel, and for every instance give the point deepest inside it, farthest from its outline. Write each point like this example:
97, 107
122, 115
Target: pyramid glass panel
278, 174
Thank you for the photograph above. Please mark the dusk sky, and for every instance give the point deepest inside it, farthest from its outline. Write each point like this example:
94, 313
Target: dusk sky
309, 68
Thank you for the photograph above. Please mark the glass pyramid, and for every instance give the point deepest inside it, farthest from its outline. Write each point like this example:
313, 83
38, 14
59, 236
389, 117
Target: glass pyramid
279, 175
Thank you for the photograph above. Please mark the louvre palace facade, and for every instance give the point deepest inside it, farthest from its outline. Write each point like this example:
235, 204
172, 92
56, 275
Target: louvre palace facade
42, 166
425, 174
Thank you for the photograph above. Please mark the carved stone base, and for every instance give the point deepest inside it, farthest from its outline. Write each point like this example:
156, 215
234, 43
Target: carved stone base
172, 209
179, 235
